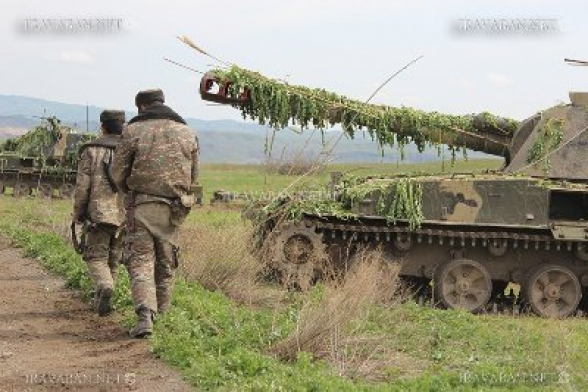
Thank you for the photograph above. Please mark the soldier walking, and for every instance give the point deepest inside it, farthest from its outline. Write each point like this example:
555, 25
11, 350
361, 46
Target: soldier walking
156, 165
97, 207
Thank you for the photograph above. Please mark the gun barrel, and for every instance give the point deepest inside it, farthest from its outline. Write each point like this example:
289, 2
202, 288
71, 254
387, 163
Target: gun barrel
483, 132
490, 134
489, 142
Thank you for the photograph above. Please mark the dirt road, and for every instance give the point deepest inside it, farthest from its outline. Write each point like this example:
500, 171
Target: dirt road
50, 339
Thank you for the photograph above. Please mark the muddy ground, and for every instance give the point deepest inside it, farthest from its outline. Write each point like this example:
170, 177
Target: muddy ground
51, 340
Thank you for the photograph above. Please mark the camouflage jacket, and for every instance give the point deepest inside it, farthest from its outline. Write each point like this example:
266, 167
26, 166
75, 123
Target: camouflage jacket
94, 197
158, 158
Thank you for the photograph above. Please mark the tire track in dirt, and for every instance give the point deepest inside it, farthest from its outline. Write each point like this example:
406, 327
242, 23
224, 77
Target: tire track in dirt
51, 340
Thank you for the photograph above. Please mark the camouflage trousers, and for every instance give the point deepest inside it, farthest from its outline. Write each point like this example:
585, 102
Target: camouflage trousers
103, 253
151, 255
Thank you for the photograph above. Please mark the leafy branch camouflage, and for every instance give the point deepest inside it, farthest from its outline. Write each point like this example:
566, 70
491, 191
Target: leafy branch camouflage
279, 104
549, 138
40, 143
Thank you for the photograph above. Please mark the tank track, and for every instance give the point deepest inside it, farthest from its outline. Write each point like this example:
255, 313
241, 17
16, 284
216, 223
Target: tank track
376, 231
445, 234
34, 184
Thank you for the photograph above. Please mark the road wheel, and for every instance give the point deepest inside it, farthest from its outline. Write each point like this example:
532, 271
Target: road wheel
553, 291
21, 189
66, 191
297, 254
463, 284
45, 191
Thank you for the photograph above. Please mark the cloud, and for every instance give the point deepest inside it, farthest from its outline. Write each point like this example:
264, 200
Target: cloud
75, 57
498, 80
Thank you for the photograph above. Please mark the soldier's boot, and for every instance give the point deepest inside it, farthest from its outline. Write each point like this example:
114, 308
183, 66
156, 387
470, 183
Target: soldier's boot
103, 301
144, 326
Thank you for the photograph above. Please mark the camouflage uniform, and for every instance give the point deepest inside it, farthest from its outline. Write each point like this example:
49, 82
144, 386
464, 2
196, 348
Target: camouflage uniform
156, 162
96, 201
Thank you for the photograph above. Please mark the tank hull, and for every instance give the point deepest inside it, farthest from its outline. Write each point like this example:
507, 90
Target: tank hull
477, 234
38, 183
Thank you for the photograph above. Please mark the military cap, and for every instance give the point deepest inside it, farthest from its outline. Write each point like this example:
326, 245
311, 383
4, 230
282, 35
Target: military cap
112, 115
147, 96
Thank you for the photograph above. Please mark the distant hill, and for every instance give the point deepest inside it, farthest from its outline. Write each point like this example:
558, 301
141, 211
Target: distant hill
17, 122
18, 105
222, 141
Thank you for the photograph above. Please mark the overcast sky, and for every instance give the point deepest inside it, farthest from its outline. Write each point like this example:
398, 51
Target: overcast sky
347, 46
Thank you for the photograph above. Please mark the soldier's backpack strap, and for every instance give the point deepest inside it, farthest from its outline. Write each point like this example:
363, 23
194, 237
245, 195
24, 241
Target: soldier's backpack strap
110, 144
106, 163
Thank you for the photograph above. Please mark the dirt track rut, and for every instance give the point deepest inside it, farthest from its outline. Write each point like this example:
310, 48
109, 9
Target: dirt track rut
51, 340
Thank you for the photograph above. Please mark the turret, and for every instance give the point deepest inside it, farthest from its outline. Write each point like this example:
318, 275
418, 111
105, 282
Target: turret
553, 142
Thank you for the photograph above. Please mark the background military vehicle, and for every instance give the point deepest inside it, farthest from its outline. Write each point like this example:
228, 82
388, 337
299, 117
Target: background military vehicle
43, 161
471, 234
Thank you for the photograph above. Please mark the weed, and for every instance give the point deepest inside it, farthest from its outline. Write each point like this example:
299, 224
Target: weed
219, 258
295, 164
325, 327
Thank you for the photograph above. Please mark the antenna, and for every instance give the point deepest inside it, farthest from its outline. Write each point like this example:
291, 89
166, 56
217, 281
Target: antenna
87, 118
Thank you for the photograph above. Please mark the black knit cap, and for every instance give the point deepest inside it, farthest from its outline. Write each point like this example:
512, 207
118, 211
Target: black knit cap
146, 97
112, 115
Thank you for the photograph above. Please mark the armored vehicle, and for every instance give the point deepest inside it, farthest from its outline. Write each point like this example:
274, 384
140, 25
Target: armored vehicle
467, 234
43, 161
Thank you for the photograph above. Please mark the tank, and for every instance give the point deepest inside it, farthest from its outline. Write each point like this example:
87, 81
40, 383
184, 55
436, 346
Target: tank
43, 161
468, 235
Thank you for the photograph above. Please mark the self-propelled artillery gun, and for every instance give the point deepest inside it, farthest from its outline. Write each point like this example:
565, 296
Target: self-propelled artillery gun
43, 161
469, 234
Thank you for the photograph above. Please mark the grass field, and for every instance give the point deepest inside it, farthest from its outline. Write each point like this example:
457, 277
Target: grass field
252, 178
230, 331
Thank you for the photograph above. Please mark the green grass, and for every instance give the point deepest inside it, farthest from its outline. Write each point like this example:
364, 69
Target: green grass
253, 178
214, 342
220, 345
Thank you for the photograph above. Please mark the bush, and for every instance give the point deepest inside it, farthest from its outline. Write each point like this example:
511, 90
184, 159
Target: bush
219, 258
325, 326
295, 165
